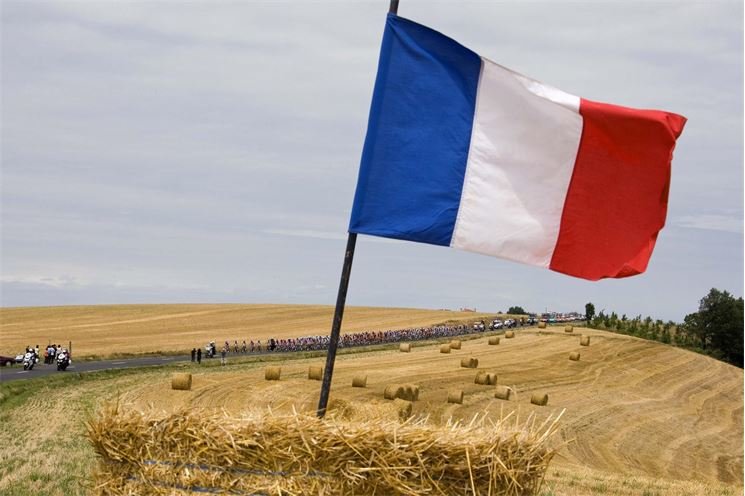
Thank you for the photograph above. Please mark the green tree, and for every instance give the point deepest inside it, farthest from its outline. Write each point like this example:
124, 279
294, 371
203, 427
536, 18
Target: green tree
613, 321
634, 327
516, 311
589, 312
665, 334
717, 327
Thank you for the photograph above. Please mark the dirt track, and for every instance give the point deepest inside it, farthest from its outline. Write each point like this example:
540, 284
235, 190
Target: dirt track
632, 406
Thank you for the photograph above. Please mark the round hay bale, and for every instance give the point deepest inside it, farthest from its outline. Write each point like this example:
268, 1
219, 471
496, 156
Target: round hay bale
404, 408
509, 334
569, 329
181, 382
486, 379
272, 373
455, 397
315, 373
445, 348
393, 391
584, 341
541, 325
455, 344
539, 399
493, 340
480, 378
469, 363
503, 393
409, 392
404, 347
574, 356
359, 381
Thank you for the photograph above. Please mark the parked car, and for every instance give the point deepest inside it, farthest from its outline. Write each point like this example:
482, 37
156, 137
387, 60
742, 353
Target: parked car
7, 361
496, 324
19, 358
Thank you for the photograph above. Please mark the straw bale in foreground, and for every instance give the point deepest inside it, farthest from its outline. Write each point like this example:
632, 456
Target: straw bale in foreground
155, 453
584, 341
455, 396
181, 381
569, 329
359, 381
509, 334
445, 348
503, 393
486, 378
494, 340
541, 325
272, 373
315, 373
455, 344
405, 347
540, 399
574, 356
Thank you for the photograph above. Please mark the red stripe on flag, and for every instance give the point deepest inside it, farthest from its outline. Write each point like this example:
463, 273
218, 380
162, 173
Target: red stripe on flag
617, 198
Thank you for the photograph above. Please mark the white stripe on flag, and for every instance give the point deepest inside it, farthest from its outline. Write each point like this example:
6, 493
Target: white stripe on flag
523, 147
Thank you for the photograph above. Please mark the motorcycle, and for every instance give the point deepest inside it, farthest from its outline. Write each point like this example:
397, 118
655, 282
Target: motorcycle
63, 361
29, 360
210, 349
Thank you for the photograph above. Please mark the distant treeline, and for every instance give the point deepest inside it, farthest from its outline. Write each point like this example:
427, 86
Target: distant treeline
716, 329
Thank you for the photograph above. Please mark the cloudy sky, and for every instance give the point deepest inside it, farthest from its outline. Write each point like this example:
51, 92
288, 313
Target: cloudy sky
208, 151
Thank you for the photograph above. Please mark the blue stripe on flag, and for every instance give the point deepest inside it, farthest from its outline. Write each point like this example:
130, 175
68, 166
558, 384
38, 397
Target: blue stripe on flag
418, 136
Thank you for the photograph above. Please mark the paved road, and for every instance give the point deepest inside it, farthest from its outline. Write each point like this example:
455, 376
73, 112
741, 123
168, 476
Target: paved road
16, 372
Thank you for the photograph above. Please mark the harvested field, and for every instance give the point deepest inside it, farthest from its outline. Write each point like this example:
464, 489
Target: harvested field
641, 417
632, 406
103, 330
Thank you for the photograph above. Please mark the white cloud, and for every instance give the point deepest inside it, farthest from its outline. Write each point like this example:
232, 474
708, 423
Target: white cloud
711, 222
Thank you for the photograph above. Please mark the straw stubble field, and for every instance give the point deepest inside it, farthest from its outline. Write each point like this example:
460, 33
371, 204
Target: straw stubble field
641, 417
632, 406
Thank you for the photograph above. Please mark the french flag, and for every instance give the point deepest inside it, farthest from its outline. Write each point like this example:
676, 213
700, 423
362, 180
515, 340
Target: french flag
463, 152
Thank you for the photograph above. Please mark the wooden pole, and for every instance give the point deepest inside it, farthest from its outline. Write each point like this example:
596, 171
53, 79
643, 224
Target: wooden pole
341, 299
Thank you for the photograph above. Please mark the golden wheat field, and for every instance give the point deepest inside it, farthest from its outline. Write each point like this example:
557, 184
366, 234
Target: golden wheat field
640, 417
103, 330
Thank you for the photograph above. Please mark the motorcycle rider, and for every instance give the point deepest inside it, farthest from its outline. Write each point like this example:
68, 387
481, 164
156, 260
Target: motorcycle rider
63, 359
29, 358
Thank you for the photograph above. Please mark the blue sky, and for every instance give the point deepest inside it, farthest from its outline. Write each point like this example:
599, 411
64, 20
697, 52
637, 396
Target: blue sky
208, 151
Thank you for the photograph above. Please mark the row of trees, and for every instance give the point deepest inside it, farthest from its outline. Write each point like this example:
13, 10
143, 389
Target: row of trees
716, 329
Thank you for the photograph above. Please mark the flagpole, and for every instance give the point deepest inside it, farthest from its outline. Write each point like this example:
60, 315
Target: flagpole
341, 299
336, 326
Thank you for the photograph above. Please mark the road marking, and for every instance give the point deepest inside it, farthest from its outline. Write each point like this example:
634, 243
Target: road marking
168, 359
118, 363
21, 371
